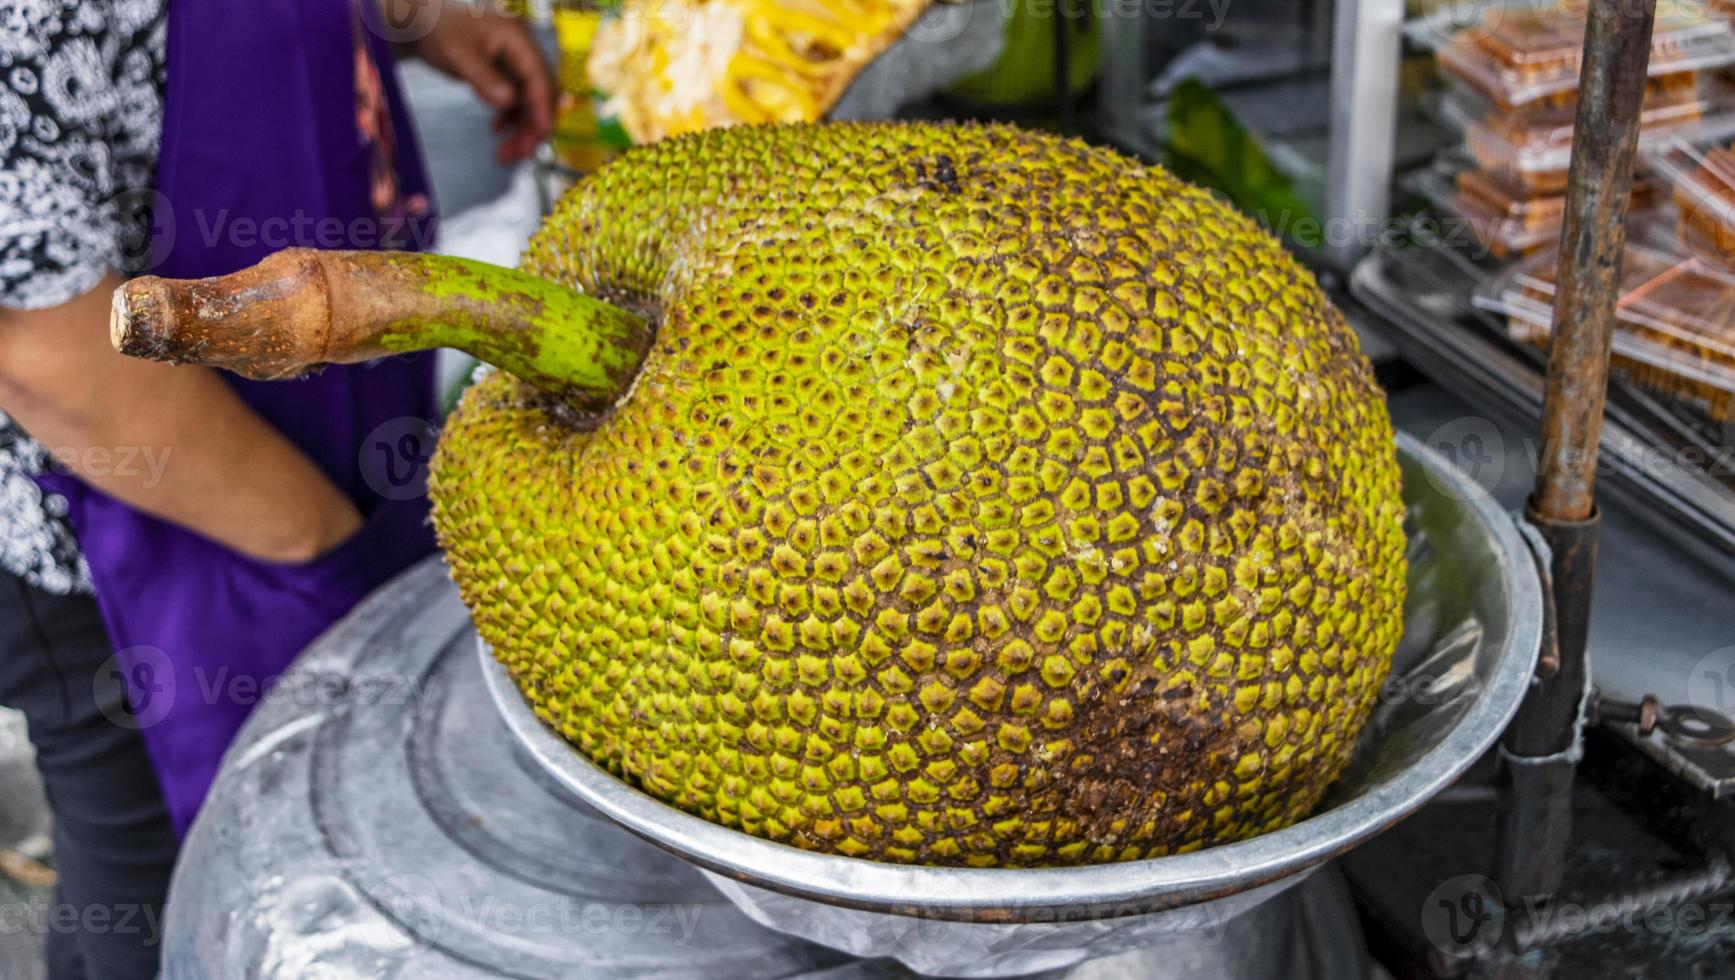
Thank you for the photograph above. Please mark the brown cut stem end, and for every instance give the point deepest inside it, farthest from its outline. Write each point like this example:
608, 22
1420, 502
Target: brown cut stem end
270, 321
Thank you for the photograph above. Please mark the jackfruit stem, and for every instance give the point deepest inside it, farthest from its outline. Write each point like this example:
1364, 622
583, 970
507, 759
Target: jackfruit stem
301, 308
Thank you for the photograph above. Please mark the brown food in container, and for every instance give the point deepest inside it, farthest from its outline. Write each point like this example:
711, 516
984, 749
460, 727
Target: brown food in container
1703, 183
1524, 59
1504, 219
1529, 211
1532, 151
1675, 322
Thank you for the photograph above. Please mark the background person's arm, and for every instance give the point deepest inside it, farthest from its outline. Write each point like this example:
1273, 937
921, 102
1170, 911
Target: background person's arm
199, 457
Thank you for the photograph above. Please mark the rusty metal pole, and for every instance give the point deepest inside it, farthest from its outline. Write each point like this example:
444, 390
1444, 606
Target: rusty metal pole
1617, 48
1541, 745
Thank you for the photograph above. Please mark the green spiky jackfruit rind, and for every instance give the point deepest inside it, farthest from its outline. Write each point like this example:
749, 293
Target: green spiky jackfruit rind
986, 499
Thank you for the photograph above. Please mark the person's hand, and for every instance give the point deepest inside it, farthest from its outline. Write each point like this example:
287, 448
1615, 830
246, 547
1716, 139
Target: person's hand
497, 55
195, 454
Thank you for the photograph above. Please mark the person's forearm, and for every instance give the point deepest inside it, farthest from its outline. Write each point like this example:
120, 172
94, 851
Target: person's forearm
174, 442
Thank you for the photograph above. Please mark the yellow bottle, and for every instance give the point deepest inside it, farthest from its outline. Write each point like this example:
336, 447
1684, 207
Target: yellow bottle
579, 140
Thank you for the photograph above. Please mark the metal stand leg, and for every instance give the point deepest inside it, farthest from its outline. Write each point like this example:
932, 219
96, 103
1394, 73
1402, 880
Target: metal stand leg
1542, 745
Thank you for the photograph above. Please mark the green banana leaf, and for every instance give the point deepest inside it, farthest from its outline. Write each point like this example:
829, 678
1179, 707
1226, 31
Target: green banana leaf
1207, 145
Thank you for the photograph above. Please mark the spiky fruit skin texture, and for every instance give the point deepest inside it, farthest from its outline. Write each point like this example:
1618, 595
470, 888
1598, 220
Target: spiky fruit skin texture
986, 499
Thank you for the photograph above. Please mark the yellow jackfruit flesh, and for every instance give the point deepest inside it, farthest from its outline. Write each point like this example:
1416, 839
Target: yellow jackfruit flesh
985, 499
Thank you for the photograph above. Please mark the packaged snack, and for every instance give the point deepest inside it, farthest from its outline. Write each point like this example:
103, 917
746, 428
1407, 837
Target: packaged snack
1532, 150
1503, 219
1518, 58
1701, 179
1675, 321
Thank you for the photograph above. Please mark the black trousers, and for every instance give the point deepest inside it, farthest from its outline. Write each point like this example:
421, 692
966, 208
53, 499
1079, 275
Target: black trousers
114, 847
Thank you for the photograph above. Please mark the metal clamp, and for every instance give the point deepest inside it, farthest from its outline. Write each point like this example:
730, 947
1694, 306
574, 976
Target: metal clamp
1686, 725
1548, 658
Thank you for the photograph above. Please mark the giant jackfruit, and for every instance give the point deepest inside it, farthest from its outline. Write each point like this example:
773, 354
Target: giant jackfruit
983, 498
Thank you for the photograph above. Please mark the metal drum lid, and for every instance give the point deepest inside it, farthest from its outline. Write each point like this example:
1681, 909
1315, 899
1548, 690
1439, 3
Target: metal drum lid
375, 819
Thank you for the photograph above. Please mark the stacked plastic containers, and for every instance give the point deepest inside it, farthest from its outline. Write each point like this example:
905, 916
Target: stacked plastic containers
1512, 89
1675, 321
1700, 176
1675, 315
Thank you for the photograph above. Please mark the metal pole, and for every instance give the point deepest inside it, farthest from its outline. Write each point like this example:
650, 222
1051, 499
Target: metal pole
1541, 744
1617, 48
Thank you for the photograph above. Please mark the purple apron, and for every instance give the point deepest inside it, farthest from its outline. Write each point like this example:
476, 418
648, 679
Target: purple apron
264, 115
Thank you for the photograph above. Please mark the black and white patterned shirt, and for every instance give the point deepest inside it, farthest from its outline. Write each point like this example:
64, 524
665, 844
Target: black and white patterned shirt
80, 119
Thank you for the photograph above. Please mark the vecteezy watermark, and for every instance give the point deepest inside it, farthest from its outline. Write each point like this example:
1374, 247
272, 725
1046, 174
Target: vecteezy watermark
315, 689
417, 905
1465, 20
1464, 917
304, 230
147, 228
413, 904
1682, 920
1367, 230
143, 463
1427, 691
135, 688
394, 457
566, 916
944, 22
1475, 446
138, 687
46, 917
948, 943
1654, 462
150, 226
1212, 12
1473, 20
408, 21
1467, 916
1476, 449
1711, 687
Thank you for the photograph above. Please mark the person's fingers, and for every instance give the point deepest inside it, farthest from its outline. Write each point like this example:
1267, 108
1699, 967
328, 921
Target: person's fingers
518, 146
508, 129
524, 62
516, 142
471, 63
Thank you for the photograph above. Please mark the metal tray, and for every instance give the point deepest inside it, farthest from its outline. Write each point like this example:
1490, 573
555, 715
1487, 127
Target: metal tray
1472, 625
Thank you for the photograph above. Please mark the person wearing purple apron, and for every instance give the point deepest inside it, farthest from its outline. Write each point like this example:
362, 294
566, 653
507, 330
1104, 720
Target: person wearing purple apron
282, 125
260, 139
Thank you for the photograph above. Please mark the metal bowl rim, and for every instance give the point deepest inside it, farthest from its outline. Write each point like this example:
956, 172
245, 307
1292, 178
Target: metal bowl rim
1112, 890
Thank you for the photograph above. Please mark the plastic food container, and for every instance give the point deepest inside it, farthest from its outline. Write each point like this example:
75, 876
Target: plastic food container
1675, 321
1518, 58
1502, 219
1531, 150
1701, 180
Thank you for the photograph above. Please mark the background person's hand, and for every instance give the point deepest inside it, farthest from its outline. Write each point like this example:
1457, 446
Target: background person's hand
497, 55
